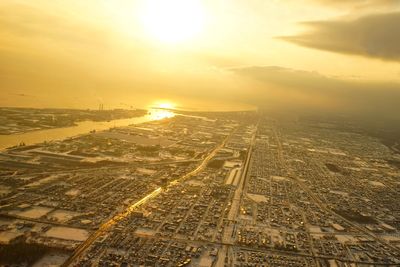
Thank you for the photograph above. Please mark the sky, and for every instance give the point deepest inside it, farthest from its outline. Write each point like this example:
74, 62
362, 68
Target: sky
315, 55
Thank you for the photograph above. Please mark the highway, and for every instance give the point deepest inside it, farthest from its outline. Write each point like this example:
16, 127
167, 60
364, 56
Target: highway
107, 225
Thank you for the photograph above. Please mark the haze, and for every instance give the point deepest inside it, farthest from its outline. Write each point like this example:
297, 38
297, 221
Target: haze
315, 55
200, 133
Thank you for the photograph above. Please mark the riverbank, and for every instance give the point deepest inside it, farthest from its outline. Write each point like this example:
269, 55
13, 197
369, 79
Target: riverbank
40, 136
24, 120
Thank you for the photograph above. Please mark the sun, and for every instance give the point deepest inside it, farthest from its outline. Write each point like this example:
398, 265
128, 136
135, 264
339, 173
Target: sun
172, 21
163, 105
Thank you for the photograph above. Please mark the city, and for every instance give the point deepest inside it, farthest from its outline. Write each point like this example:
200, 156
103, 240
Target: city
200, 133
222, 189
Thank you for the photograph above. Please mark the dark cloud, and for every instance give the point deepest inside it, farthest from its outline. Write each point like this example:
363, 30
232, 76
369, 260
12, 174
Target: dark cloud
358, 3
296, 90
376, 36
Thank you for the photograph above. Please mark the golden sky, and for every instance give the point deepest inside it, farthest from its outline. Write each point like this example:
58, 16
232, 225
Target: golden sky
211, 54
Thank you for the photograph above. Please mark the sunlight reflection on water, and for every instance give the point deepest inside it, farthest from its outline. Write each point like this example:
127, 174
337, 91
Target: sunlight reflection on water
83, 127
159, 114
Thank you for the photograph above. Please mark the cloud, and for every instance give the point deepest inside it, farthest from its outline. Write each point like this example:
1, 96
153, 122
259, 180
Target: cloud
296, 90
358, 3
376, 36
336, 2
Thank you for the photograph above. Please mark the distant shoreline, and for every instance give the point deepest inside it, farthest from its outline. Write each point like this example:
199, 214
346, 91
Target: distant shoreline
60, 133
25, 120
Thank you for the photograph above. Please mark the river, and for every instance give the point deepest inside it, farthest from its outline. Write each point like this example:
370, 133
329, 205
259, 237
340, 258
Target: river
83, 127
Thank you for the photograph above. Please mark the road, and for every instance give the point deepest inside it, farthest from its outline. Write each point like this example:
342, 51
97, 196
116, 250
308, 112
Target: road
107, 225
320, 203
229, 230
90, 169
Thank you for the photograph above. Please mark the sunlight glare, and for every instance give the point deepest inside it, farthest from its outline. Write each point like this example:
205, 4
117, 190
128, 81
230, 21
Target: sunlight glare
160, 114
172, 21
166, 105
